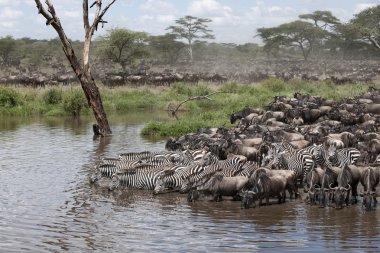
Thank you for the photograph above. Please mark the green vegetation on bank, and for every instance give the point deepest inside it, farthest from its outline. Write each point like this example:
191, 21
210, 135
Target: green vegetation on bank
215, 112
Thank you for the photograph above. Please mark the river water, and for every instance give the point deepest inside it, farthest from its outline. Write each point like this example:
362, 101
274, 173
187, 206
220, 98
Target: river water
48, 205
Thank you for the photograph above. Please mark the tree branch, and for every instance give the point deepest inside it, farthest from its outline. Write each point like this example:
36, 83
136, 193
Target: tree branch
86, 22
99, 14
173, 111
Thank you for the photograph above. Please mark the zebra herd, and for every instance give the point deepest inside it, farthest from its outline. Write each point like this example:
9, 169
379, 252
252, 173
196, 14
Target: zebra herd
282, 167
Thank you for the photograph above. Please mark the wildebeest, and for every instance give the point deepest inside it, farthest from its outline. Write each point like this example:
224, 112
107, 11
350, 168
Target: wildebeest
241, 114
313, 180
370, 179
219, 186
266, 183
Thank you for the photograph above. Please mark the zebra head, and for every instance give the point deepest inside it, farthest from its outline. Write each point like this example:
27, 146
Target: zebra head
115, 182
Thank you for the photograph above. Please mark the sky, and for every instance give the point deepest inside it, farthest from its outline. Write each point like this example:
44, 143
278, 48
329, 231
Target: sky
233, 21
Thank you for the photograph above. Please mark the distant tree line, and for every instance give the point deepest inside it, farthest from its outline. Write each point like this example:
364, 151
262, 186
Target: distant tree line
313, 35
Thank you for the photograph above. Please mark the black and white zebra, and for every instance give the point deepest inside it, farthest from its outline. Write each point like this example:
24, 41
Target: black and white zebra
136, 178
194, 179
233, 162
135, 156
329, 156
248, 169
110, 166
300, 163
173, 179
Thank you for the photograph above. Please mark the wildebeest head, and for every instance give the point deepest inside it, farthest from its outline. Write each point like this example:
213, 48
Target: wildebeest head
248, 198
369, 200
340, 195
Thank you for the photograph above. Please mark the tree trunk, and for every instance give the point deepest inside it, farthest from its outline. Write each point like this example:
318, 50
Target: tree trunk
83, 72
95, 102
190, 52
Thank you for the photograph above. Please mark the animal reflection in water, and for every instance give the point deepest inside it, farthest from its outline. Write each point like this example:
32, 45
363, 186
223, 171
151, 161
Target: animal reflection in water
327, 148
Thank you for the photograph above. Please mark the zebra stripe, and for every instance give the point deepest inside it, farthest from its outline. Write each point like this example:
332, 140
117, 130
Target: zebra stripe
173, 180
300, 163
136, 178
329, 156
233, 162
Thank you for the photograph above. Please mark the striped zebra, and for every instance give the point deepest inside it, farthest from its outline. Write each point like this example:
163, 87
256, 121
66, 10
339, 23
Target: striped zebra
135, 156
233, 162
173, 179
300, 163
248, 169
194, 180
136, 178
228, 172
299, 160
329, 156
110, 166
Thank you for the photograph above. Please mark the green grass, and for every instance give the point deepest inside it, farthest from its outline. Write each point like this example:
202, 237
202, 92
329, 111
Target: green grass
200, 113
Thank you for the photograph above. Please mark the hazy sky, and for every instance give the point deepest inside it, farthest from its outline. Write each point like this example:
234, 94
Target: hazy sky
234, 21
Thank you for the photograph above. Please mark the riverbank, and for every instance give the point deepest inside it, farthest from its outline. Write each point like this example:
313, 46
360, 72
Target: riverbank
213, 112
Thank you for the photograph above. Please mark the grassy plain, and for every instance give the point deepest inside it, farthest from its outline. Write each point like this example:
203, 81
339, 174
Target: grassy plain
213, 112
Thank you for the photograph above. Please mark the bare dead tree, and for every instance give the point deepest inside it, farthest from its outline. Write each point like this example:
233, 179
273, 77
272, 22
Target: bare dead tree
82, 70
174, 111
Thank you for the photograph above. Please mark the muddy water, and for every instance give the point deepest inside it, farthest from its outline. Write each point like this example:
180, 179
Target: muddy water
47, 204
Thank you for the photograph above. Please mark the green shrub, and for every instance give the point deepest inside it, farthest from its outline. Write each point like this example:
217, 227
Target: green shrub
230, 87
274, 84
52, 96
182, 88
74, 101
202, 90
9, 97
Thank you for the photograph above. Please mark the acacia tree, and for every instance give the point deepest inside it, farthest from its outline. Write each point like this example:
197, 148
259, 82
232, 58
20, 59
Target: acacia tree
191, 28
123, 46
367, 22
326, 17
297, 33
82, 69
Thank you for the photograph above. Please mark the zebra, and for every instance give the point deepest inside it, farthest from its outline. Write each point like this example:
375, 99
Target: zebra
110, 166
277, 149
173, 179
136, 178
248, 168
133, 156
156, 161
233, 162
193, 180
329, 156
120, 163
228, 172
300, 163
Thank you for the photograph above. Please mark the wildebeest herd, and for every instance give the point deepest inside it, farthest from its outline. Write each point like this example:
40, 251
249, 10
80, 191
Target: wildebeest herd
322, 146
257, 70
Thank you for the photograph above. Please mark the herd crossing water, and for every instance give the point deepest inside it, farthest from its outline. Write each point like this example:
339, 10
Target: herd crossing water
48, 204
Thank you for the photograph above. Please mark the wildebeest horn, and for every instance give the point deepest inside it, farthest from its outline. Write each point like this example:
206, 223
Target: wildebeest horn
349, 187
331, 188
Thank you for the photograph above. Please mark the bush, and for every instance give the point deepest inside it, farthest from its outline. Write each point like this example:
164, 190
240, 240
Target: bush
274, 84
74, 101
182, 89
52, 96
9, 97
